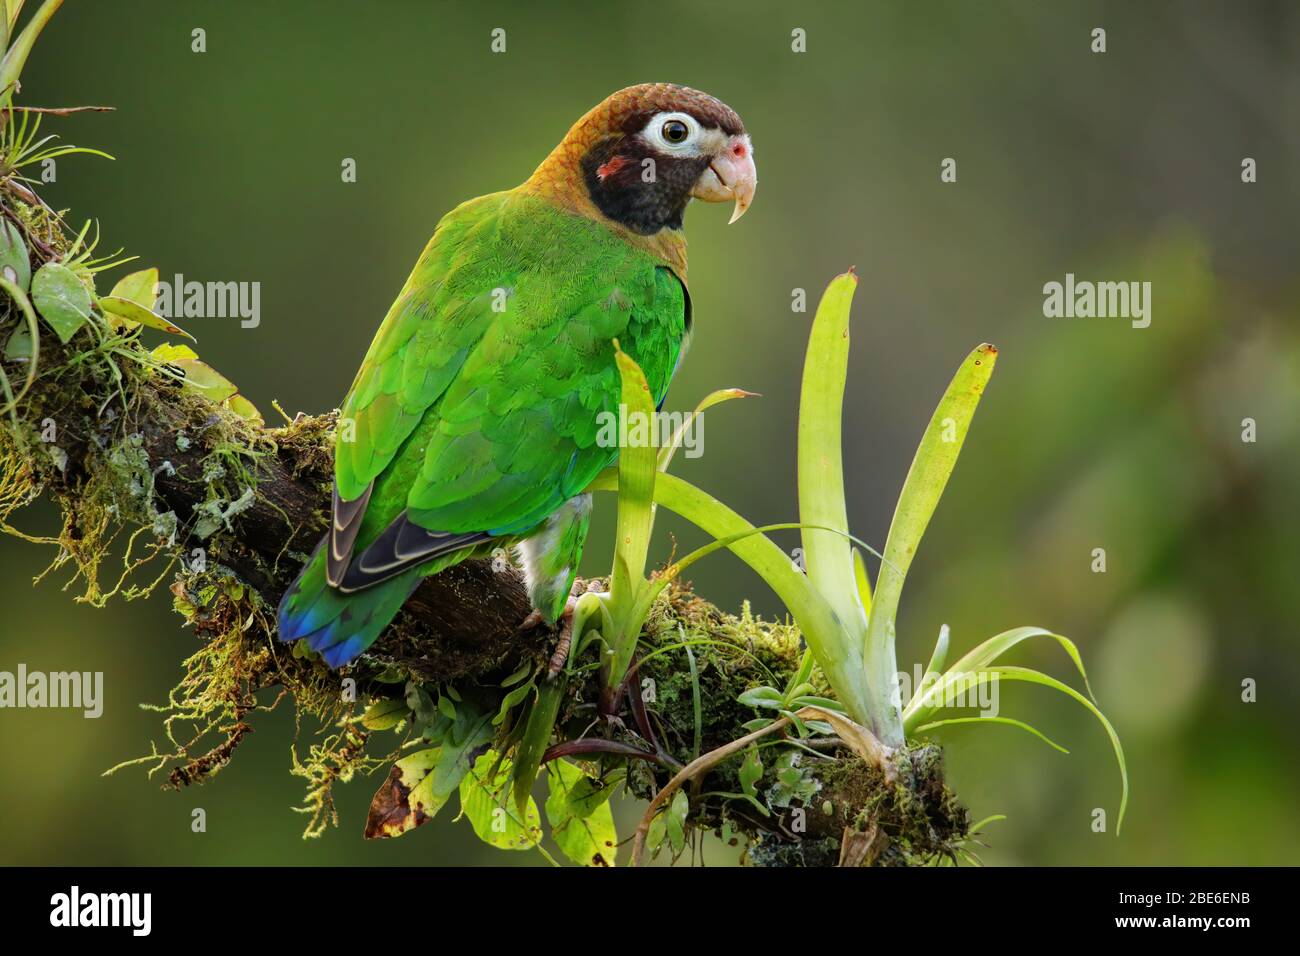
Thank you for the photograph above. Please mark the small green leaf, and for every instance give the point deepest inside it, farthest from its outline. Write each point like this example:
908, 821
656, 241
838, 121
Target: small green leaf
19, 346
384, 714
420, 703
938, 657
485, 799
761, 697
244, 409
61, 298
522, 671
202, 379
412, 794
510, 701
14, 256
654, 837
168, 352
751, 771
676, 822
138, 287
446, 707
793, 782
586, 838
588, 794
133, 314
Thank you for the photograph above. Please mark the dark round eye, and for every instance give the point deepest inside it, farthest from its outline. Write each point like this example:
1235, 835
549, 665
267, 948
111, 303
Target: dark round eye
675, 131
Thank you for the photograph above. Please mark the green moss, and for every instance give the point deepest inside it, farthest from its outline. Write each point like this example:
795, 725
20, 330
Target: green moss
834, 790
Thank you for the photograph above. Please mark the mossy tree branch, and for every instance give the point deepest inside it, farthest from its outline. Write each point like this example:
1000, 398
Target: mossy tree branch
229, 509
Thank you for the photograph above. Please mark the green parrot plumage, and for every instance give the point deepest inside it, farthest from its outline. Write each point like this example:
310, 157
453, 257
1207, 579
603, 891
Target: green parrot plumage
473, 422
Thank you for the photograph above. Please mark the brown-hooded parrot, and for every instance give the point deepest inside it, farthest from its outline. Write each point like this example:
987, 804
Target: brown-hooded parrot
472, 424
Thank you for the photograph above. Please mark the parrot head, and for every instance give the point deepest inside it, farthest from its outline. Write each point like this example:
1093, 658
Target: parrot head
643, 154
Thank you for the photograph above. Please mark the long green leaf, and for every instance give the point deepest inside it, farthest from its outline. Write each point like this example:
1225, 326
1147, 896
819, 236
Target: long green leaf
841, 661
537, 735
713, 398
12, 8
636, 479
1009, 721
972, 679
674, 570
926, 480
992, 649
919, 708
938, 657
828, 556
863, 580
636, 482
15, 57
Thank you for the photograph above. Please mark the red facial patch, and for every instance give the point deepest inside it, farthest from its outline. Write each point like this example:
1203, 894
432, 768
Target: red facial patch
609, 168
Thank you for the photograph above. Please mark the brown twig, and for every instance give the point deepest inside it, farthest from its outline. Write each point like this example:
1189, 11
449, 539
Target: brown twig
58, 110
693, 769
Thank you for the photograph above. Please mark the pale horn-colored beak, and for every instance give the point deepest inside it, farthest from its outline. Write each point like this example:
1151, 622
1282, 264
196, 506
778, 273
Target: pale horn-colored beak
731, 176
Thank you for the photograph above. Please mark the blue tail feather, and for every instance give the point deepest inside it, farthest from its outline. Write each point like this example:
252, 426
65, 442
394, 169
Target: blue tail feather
340, 626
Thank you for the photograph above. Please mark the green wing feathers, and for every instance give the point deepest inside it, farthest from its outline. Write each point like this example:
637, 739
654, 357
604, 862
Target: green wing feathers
476, 410
483, 386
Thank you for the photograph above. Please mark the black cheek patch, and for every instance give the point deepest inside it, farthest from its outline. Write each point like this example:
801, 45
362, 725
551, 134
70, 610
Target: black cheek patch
616, 173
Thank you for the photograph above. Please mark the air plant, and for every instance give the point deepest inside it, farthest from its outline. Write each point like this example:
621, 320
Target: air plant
850, 632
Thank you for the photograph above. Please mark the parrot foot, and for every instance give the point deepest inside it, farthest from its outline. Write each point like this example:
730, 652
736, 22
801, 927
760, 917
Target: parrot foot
561, 655
533, 620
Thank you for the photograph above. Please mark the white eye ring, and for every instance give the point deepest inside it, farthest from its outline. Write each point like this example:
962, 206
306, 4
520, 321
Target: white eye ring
654, 132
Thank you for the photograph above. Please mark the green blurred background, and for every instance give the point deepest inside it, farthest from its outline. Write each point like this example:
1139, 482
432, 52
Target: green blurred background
1116, 166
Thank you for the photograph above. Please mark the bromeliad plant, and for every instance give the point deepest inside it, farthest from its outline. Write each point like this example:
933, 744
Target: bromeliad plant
850, 632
